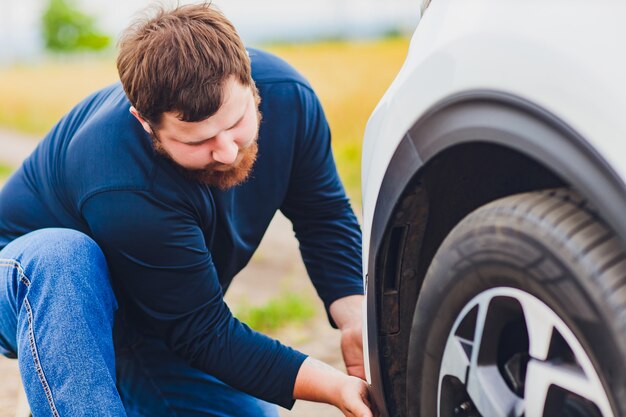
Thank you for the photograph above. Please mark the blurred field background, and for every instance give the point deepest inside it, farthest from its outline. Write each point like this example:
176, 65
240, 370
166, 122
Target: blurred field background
349, 76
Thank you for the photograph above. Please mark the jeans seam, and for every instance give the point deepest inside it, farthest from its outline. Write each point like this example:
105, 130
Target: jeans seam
35, 354
18, 266
31, 336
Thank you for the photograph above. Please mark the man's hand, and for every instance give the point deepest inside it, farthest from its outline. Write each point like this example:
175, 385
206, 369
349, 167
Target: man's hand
352, 350
317, 381
354, 398
347, 313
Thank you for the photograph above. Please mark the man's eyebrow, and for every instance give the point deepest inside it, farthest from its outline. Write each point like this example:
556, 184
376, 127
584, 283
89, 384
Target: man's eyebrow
204, 140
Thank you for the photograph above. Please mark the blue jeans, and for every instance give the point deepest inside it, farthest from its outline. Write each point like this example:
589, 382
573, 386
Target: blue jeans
57, 317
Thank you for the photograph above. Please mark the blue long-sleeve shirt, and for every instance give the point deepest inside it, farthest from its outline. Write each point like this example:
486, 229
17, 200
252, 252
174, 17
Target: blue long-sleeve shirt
173, 245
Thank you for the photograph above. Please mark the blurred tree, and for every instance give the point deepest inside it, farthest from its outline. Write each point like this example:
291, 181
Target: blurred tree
68, 29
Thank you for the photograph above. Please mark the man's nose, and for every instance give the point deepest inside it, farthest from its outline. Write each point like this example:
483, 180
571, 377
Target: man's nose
225, 150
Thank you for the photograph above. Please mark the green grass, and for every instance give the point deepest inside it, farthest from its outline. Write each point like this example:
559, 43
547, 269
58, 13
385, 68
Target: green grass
287, 309
349, 77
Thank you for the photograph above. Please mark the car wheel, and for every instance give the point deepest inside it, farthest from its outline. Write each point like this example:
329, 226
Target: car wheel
522, 313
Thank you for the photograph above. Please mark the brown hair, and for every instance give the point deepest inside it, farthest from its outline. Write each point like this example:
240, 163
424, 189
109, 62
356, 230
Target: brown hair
178, 61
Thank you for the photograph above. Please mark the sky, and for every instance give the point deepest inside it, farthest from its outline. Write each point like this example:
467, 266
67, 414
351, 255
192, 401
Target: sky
257, 21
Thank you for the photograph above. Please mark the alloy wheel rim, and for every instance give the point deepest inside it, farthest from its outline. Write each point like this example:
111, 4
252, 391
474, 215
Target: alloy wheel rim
509, 354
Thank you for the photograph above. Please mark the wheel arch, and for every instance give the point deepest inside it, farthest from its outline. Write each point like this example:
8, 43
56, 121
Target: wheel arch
466, 151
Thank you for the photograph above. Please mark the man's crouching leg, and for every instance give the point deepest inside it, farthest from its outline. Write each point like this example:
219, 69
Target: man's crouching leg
56, 315
155, 382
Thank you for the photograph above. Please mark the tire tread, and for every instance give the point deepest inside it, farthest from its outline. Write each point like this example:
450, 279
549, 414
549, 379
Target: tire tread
586, 254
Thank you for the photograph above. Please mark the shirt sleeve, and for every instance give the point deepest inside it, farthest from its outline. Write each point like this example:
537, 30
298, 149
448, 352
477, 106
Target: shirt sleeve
159, 260
317, 205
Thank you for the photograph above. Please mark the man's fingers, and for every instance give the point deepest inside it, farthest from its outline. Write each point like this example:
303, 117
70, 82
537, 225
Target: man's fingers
356, 370
356, 397
366, 400
360, 410
352, 350
363, 406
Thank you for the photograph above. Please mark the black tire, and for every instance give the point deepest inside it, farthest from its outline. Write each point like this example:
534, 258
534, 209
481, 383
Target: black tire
551, 246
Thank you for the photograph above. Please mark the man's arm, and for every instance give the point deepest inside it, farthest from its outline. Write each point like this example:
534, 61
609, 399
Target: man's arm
347, 393
161, 266
326, 227
159, 261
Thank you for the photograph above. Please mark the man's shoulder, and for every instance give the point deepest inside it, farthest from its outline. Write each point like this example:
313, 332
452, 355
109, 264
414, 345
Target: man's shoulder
111, 98
102, 124
101, 134
268, 68
102, 113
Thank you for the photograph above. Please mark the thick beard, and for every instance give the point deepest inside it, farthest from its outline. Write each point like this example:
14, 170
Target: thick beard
222, 178
227, 176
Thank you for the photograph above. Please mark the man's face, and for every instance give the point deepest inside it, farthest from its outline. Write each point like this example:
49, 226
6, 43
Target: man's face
220, 150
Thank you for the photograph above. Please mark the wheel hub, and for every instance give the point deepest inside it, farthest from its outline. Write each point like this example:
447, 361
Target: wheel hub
509, 354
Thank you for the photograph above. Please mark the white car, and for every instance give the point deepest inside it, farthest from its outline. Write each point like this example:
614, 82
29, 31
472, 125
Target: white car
494, 205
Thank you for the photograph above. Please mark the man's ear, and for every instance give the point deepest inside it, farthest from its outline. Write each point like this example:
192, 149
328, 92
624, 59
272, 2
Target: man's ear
144, 124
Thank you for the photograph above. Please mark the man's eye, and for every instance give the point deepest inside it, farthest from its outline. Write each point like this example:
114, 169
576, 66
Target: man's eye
198, 143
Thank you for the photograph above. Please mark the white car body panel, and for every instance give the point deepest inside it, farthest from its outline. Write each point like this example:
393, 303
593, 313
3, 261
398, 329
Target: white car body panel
562, 55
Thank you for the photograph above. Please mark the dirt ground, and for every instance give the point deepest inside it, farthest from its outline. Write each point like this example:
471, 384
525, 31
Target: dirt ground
276, 268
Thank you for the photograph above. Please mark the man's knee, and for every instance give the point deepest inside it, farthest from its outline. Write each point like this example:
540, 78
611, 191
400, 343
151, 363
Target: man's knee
62, 245
62, 258
63, 275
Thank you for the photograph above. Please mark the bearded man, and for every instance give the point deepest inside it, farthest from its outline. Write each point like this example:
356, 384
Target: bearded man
150, 195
